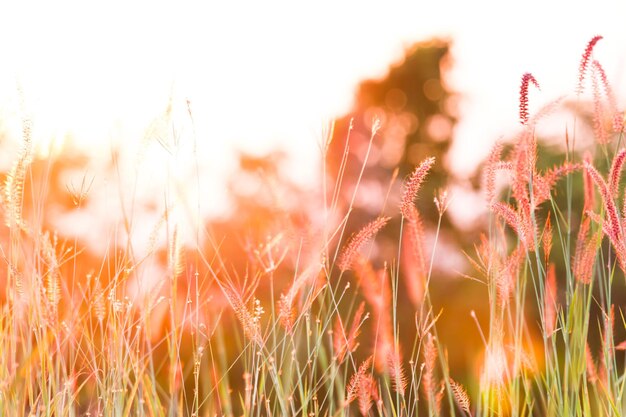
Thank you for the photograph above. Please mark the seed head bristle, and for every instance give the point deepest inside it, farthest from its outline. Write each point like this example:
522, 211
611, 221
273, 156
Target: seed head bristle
585, 253
442, 201
412, 186
547, 238
249, 320
592, 369
549, 310
353, 246
344, 342
52, 273
99, 307
584, 62
616, 172
286, 310
527, 78
506, 277
413, 258
599, 130
396, 372
367, 386
607, 339
590, 195
430, 357
609, 204
617, 117
352, 390
543, 184
460, 395
516, 221
612, 227
489, 173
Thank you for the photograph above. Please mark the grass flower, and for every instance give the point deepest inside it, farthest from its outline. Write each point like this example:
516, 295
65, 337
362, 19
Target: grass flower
412, 186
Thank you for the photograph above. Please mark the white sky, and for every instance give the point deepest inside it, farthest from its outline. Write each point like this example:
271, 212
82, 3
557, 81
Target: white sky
262, 73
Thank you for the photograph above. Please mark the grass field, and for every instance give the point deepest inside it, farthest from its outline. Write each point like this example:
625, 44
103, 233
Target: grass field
307, 323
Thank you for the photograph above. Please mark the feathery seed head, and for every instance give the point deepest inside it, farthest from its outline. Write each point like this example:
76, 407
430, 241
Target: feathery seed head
527, 78
412, 186
353, 246
460, 395
584, 62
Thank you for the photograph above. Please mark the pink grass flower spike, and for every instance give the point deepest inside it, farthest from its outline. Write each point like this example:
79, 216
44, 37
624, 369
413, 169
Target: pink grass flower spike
523, 96
584, 62
412, 186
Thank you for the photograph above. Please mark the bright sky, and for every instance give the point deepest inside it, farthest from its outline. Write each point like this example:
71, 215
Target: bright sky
262, 73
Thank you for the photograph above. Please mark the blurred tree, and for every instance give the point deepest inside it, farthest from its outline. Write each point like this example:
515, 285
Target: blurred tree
416, 111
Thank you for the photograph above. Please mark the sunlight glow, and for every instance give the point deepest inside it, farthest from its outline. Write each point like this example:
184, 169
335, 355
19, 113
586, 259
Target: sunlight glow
260, 75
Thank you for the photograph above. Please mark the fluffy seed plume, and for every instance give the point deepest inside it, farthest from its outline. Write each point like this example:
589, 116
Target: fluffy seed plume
430, 357
607, 341
590, 195
287, 312
460, 395
352, 391
601, 134
442, 201
585, 253
616, 172
14, 183
506, 278
344, 342
547, 238
377, 292
613, 226
396, 372
353, 246
543, 184
527, 78
286, 309
607, 199
48, 252
520, 224
367, 387
618, 120
584, 62
413, 259
249, 320
549, 308
592, 369
99, 307
412, 186
489, 173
